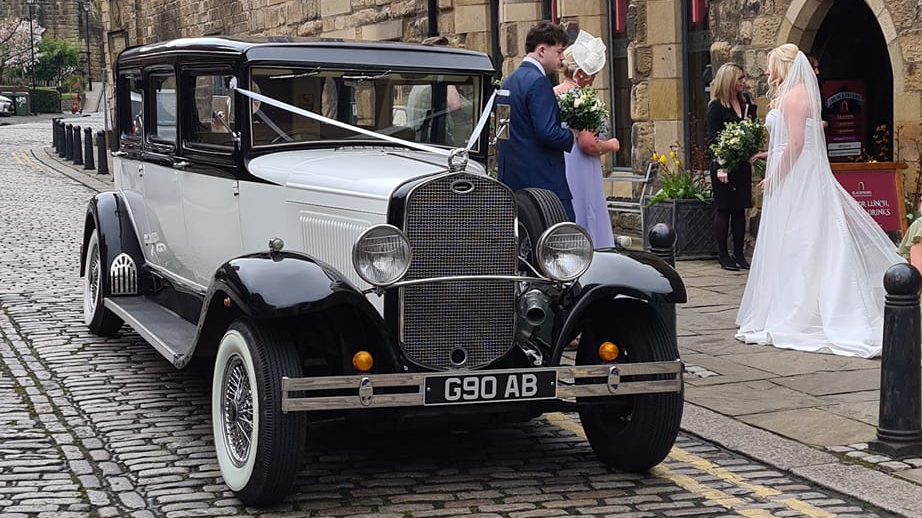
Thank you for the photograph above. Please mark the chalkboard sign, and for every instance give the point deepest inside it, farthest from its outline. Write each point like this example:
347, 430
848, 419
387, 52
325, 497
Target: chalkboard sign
878, 188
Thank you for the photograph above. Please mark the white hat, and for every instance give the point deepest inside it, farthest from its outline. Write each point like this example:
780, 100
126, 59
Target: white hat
589, 53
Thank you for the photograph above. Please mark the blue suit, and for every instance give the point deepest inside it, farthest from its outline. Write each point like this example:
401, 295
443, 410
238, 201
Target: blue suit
533, 155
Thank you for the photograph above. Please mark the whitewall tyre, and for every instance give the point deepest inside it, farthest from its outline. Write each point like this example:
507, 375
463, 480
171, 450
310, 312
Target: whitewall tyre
259, 448
100, 320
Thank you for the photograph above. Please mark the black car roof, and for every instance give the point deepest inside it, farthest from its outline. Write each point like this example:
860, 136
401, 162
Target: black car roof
317, 51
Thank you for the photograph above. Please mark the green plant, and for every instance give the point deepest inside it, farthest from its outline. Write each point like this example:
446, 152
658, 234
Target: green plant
46, 100
679, 183
59, 58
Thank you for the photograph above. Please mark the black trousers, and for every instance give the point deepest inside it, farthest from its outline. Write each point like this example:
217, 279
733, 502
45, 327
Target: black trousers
730, 222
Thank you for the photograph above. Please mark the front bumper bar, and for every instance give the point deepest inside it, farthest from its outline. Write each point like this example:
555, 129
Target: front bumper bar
378, 390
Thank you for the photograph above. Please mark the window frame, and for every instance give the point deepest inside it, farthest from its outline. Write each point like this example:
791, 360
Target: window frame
125, 113
155, 142
186, 99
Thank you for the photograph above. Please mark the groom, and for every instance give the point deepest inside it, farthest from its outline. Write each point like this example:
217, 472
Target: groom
533, 154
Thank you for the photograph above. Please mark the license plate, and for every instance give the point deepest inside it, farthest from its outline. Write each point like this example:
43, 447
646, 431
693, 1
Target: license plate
490, 387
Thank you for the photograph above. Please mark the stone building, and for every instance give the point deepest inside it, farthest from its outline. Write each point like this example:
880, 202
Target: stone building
76, 21
659, 50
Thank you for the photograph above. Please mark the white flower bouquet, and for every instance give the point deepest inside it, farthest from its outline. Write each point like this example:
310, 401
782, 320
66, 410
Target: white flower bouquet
737, 142
581, 109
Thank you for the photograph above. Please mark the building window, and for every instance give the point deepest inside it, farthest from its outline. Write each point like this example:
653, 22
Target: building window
620, 83
697, 45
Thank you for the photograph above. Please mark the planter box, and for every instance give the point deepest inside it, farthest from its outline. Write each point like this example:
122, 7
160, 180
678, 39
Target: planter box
693, 223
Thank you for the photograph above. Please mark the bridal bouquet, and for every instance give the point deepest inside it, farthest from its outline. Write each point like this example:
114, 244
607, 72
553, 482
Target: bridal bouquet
581, 109
738, 142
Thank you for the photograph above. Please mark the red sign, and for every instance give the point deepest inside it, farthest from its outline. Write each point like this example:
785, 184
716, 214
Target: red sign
877, 187
843, 109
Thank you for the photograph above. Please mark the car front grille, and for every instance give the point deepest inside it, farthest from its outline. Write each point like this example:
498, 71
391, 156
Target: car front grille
454, 233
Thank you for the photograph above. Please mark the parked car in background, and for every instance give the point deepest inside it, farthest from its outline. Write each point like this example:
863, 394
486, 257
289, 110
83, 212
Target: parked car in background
7, 107
279, 212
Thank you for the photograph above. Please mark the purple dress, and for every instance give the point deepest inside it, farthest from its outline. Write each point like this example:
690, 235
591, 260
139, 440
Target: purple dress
584, 176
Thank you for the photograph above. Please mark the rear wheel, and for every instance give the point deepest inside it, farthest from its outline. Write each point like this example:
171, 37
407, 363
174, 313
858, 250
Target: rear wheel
100, 320
636, 432
259, 448
539, 210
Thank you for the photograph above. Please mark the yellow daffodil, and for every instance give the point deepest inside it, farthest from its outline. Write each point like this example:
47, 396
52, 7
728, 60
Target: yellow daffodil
672, 154
662, 159
677, 163
655, 156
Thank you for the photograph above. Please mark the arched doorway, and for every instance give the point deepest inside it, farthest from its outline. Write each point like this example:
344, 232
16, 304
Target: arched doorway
853, 55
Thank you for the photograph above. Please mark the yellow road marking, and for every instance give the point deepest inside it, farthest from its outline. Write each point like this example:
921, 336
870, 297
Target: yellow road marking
16, 158
715, 495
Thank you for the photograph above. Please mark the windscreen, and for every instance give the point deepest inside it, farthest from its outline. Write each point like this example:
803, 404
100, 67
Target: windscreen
431, 108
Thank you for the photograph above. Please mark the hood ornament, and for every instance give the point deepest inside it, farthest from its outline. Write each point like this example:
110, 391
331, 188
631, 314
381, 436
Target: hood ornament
457, 160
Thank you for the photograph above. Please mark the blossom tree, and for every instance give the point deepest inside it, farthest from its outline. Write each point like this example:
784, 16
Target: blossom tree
16, 43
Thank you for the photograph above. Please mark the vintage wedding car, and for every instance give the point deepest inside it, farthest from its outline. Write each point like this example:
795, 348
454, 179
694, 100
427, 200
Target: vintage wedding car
304, 214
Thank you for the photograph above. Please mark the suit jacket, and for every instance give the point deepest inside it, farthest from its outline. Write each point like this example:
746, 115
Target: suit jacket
533, 155
737, 192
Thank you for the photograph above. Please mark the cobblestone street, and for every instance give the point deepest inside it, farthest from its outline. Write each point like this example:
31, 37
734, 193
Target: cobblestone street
107, 427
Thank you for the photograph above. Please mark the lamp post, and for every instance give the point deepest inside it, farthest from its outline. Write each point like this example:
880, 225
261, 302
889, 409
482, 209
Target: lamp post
89, 73
31, 63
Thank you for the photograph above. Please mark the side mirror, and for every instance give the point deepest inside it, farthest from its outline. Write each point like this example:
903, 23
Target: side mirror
501, 131
220, 109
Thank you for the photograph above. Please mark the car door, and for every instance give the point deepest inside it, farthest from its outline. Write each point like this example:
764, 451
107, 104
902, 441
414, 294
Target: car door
210, 183
127, 168
162, 182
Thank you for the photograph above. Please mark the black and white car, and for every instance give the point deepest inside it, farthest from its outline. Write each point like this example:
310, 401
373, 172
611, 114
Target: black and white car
302, 212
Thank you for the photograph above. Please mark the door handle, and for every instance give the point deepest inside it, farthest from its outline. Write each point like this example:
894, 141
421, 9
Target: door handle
182, 164
118, 153
140, 170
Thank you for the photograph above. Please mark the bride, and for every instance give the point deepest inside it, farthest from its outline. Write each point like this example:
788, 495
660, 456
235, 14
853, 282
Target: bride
816, 282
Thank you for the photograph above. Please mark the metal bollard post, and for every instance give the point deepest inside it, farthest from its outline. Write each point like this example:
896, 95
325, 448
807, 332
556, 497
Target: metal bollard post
69, 142
899, 424
101, 153
54, 133
78, 147
59, 131
88, 149
662, 244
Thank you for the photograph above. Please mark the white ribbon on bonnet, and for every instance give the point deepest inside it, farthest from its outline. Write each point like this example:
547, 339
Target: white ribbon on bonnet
589, 53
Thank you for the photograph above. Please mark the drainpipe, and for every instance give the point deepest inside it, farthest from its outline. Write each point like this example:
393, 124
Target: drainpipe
495, 51
433, 8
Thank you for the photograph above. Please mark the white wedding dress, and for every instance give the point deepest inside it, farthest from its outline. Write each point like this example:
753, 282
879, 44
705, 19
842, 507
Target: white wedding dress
816, 282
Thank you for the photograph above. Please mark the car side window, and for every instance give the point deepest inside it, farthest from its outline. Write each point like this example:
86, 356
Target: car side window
163, 114
208, 116
131, 106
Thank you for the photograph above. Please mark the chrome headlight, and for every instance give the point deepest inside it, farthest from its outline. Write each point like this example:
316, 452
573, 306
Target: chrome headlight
564, 252
381, 255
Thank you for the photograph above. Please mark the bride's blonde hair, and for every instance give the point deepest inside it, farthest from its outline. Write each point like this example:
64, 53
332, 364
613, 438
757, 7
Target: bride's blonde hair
780, 60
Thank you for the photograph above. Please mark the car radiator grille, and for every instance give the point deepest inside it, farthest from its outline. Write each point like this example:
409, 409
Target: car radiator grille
459, 234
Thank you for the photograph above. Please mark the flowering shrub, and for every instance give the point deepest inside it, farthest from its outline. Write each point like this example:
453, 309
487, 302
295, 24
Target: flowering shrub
679, 183
737, 142
582, 110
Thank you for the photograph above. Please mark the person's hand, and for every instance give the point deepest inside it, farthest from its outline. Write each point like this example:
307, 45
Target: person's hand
762, 184
613, 145
762, 155
722, 176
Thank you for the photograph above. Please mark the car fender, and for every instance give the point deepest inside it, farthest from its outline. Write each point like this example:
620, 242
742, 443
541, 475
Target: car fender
108, 212
638, 275
279, 285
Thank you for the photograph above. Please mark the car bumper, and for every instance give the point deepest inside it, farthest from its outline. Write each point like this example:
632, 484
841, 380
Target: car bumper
410, 390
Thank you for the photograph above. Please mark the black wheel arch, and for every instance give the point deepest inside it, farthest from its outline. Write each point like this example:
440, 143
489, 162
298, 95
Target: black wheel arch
293, 290
626, 274
107, 212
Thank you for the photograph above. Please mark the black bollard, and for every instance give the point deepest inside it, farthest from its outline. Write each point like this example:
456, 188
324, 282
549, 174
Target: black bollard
78, 147
899, 424
101, 153
54, 134
69, 142
88, 149
662, 244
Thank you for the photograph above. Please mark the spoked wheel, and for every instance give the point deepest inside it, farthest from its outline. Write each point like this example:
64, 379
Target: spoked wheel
101, 321
259, 448
635, 432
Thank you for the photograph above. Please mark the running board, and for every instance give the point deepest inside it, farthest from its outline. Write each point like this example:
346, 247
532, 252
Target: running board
171, 335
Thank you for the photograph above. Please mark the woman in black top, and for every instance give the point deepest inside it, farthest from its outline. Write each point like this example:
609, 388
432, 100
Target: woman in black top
733, 188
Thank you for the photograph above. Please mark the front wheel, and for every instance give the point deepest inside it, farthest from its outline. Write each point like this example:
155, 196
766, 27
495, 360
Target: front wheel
259, 448
635, 432
100, 320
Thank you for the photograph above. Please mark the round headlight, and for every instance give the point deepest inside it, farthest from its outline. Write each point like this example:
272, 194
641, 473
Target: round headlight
381, 255
564, 252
